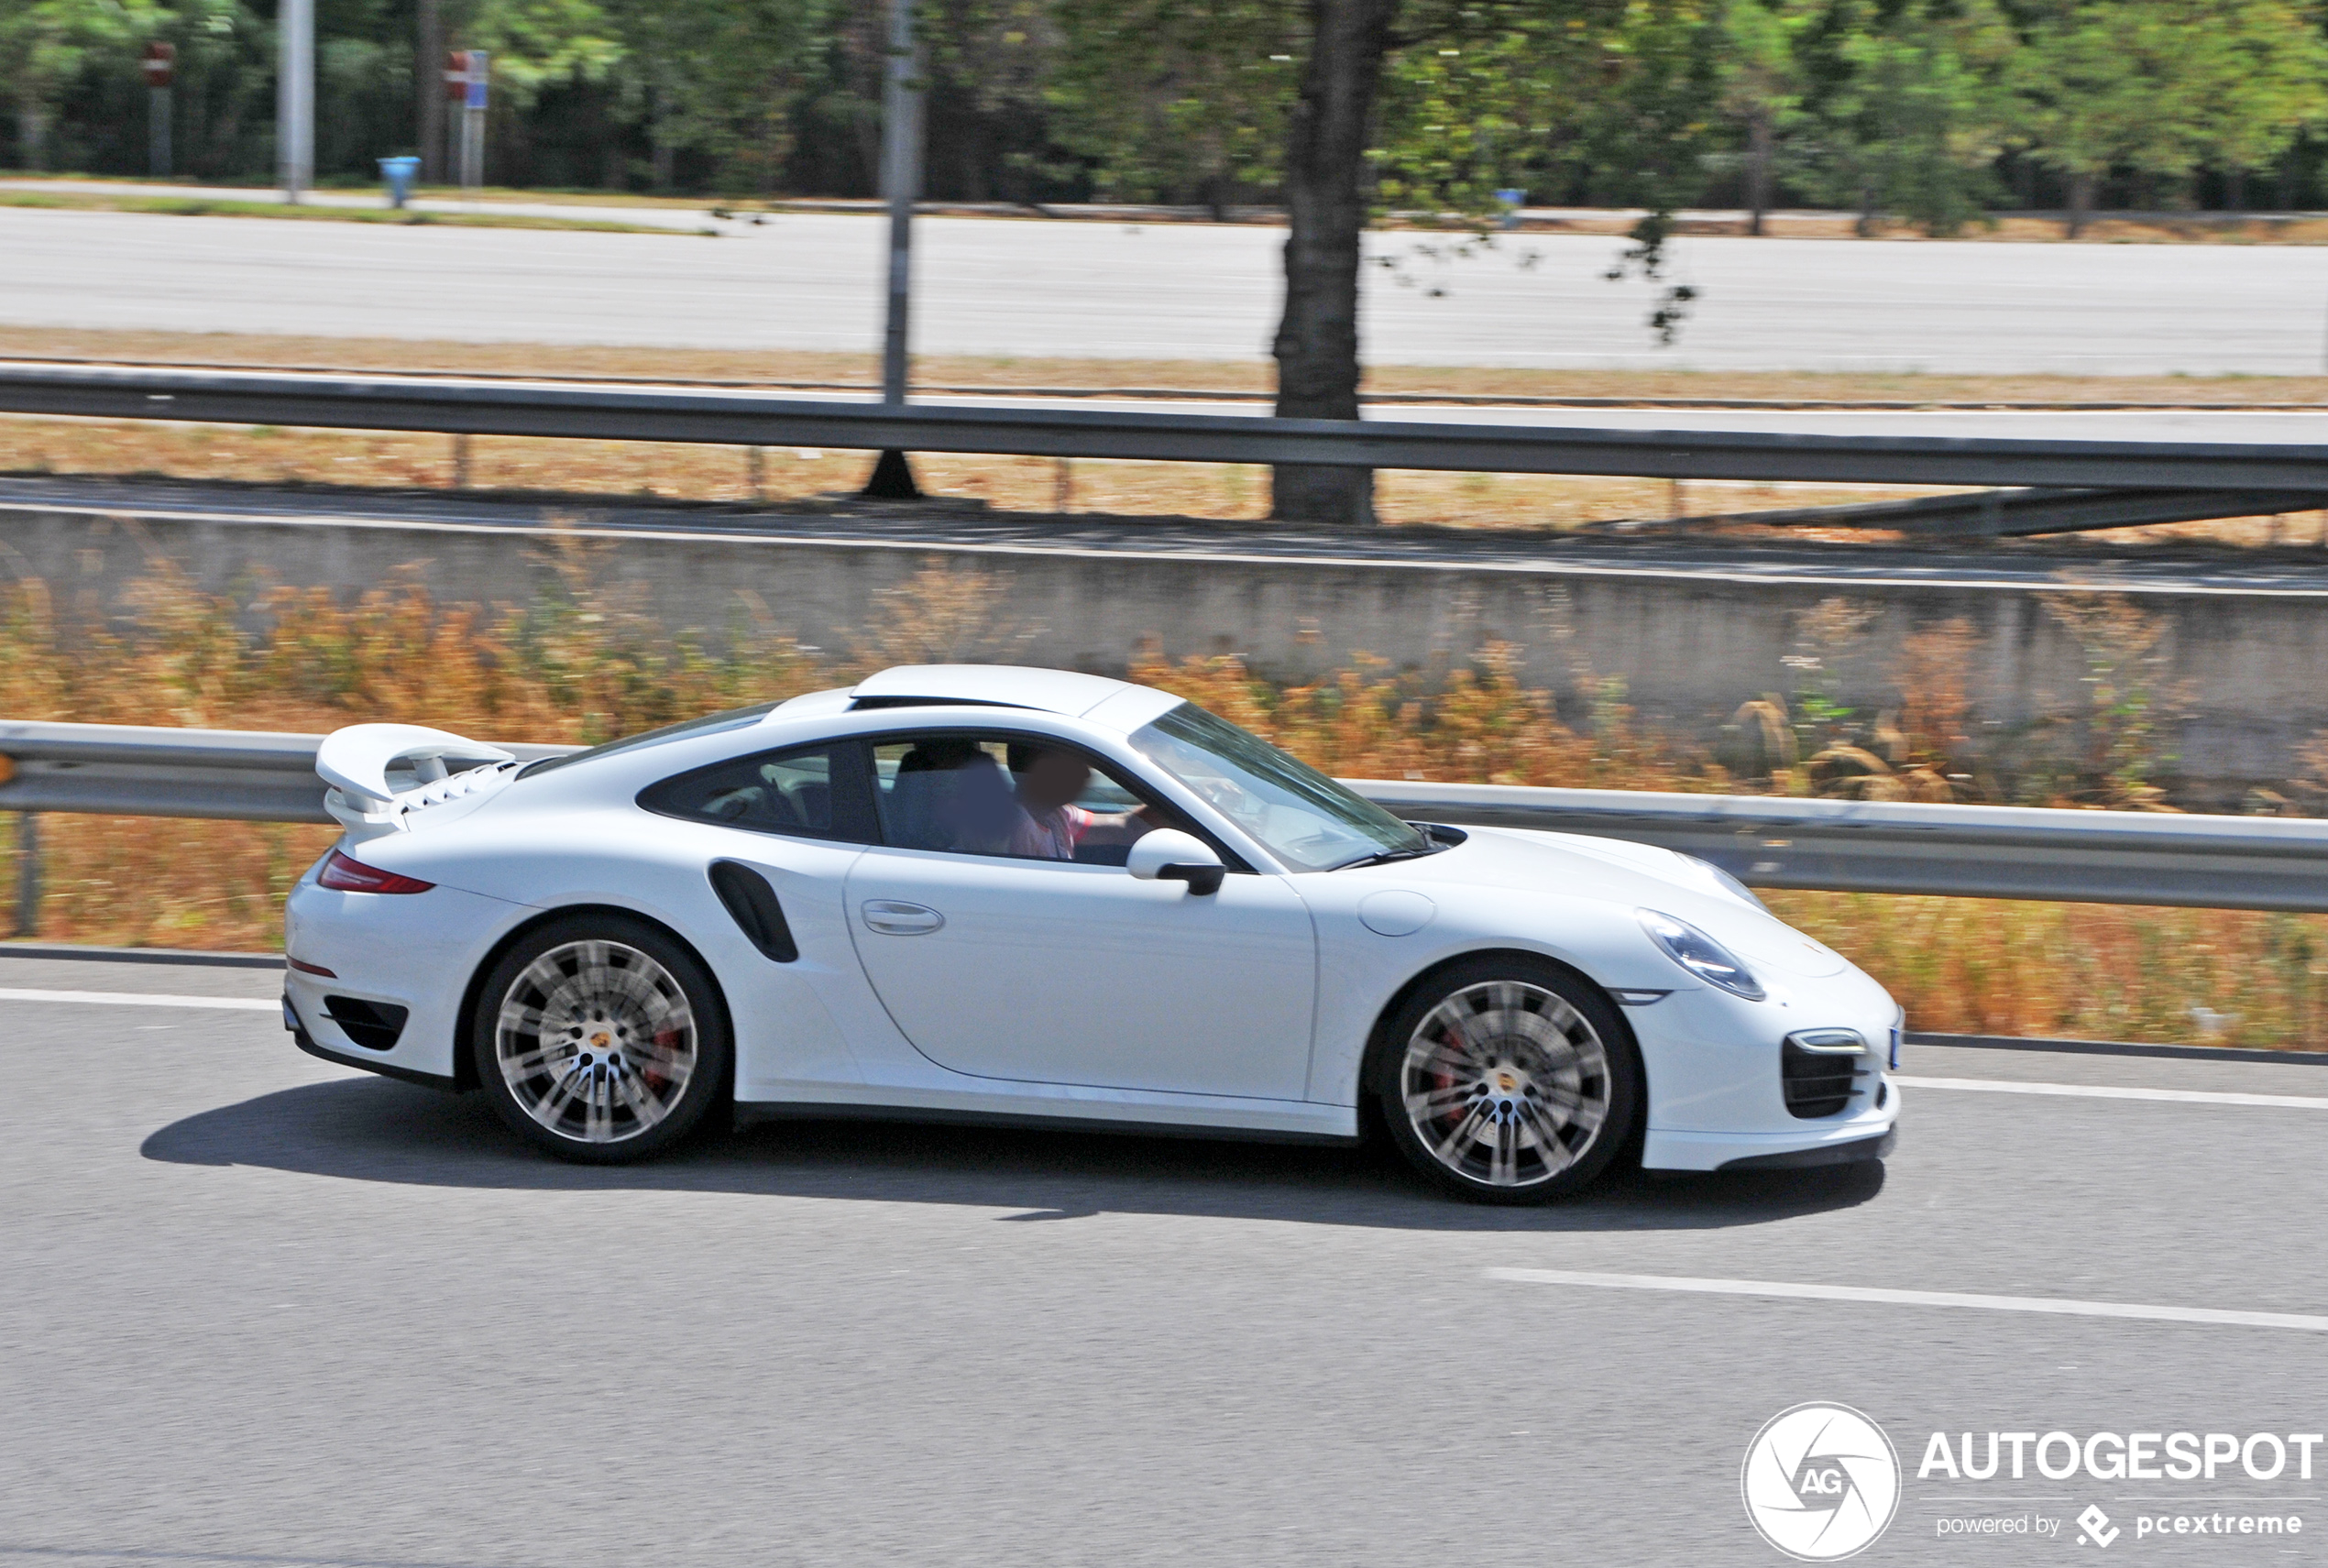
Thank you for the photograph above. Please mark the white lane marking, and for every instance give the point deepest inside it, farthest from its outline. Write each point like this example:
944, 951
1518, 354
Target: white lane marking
140, 999
2109, 1091
1912, 1298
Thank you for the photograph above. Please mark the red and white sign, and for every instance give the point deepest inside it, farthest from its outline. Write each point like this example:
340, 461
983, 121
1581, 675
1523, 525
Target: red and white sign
160, 61
466, 70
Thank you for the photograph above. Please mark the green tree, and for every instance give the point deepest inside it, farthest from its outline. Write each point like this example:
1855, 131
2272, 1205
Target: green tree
44, 44
1350, 106
2265, 65
1175, 100
2106, 84
1646, 125
1915, 111
1763, 84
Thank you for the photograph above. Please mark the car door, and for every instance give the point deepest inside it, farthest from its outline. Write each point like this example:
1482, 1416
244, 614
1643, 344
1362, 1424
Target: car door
778, 831
1072, 973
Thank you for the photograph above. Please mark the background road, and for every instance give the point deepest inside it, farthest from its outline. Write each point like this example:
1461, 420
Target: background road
1181, 292
261, 1309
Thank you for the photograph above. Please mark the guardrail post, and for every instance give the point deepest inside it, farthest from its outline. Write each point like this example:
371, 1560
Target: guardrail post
27, 874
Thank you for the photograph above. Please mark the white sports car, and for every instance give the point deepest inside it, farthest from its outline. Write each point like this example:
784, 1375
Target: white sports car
971, 892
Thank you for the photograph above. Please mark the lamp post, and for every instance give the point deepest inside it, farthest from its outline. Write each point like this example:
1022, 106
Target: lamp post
892, 476
295, 101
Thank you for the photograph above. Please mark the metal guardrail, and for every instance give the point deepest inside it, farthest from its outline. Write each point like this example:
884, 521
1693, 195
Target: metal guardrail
456, 405
2005, 514
1973, 851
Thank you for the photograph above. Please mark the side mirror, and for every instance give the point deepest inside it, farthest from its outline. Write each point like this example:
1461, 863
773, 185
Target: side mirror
1167, 855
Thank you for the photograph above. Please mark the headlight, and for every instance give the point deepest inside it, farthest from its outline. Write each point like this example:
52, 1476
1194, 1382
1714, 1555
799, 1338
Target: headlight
1730, 883
1700, 954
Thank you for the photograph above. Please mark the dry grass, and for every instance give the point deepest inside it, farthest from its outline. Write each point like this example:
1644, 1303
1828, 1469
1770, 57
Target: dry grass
216, 207
2025, 228
1254, 377
792, 476
583, 664
1223, 492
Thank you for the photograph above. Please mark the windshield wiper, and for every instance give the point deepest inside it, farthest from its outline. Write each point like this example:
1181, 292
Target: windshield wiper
1384, 856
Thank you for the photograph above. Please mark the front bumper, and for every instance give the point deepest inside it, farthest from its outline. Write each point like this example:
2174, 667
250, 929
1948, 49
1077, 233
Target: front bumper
1717, 1096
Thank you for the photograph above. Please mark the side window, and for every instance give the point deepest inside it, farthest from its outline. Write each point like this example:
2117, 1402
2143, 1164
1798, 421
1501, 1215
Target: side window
945, 792
986, 794
809, 792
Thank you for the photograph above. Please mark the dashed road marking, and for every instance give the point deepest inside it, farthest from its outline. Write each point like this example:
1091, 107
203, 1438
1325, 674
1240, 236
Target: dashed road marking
142, 998
2055, 1304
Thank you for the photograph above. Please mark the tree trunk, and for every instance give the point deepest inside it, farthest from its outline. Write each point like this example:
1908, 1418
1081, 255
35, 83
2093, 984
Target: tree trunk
2234, 189
1317, 339
1865, 227
1758, 156
2081, 202
428, 92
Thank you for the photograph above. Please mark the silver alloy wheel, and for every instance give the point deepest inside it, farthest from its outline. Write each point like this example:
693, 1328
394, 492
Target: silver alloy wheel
596, 1041
1505, 1083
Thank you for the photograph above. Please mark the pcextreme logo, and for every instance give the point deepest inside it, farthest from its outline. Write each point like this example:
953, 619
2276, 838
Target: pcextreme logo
1821, 1481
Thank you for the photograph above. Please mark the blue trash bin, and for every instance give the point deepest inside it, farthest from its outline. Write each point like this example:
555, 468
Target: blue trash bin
399, 173
1510, 201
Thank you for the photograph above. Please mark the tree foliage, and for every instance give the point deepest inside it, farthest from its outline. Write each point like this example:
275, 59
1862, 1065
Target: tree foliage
1923, 111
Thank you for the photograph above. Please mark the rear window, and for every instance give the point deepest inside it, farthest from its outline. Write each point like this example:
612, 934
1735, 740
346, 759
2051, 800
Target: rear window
815, 791
709, 724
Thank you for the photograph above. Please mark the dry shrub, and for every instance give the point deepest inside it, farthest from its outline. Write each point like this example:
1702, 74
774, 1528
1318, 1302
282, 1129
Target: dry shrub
1477, 725
2081, 971
2130, 703
583, 662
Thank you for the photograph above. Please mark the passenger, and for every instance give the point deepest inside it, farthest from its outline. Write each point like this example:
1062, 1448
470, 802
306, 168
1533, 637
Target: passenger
1051, 825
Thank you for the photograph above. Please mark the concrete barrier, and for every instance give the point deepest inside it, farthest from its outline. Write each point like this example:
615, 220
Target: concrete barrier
1690, 633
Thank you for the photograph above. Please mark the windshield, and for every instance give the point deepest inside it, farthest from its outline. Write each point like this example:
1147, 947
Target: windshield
709, 724
1305, 819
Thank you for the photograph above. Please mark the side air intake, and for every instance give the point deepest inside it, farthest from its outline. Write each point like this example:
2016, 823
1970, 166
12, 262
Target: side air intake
752, 903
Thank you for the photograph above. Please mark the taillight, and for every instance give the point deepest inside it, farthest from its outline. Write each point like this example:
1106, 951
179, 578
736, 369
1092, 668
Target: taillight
354, 876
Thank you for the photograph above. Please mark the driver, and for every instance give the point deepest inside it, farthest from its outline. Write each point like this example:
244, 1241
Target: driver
1050, 824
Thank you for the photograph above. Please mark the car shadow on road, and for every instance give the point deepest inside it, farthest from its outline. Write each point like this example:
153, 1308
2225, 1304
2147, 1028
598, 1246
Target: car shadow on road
375, 1130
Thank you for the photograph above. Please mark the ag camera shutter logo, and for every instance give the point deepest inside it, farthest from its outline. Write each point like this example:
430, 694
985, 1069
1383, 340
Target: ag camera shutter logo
1821, 1481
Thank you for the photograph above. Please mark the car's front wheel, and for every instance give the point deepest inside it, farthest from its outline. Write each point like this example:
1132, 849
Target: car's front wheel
1506, 1080
601, 1039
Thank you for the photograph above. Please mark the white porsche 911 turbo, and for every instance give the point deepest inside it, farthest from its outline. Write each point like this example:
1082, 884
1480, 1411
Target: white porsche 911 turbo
971, 892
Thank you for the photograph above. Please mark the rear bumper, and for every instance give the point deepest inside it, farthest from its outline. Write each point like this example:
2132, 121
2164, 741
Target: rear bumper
306, 1042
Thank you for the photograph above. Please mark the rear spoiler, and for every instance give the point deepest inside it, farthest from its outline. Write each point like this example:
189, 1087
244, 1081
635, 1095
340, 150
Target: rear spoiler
437, 766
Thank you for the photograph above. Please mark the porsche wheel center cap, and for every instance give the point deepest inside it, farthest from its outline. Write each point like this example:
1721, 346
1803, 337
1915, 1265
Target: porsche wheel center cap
1503, 1091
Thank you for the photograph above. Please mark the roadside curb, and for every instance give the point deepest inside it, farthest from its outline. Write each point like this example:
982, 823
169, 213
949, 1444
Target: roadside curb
139, 955
2116, 1049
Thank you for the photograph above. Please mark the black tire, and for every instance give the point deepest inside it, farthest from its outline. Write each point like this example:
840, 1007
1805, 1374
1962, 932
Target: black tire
627, 1044
1507, 1079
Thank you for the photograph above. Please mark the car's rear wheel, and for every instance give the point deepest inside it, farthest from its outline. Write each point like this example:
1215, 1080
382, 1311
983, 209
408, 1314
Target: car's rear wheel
601, 1039
1506, 1080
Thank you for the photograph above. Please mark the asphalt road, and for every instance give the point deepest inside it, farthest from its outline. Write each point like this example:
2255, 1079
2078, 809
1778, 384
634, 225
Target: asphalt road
259, 1309
1181, 292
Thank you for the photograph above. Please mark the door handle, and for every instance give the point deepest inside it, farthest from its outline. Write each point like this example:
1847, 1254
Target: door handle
894, 918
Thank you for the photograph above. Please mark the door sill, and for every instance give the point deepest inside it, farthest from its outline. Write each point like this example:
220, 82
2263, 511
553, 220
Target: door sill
752, 1113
